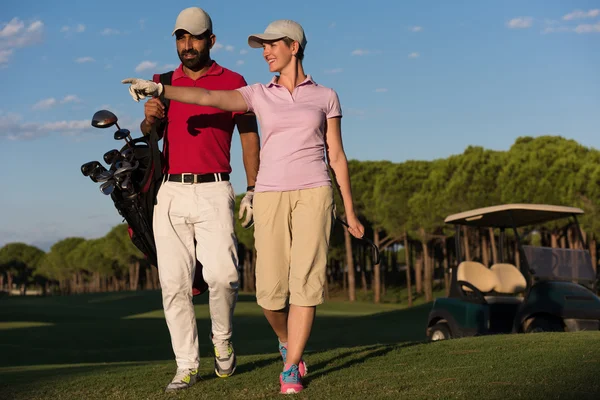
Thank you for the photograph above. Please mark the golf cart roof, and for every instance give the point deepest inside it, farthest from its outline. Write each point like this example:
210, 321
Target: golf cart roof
505, 215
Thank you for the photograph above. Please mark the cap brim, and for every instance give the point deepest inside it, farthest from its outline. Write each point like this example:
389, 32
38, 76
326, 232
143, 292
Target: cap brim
177, 28
256, 41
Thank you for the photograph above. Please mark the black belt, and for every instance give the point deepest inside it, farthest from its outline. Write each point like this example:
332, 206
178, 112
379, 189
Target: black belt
194, 178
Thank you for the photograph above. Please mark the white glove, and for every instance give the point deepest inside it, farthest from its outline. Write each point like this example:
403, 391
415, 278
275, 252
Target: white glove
246, 207
141, 88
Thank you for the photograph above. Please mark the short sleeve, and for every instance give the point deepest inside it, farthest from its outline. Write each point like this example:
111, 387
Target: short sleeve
334, 109
249, 93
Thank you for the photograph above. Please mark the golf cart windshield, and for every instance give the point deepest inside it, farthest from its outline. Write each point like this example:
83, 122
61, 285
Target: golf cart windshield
549, 263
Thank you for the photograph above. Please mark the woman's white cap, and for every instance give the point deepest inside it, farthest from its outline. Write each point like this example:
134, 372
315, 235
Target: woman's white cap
278, 30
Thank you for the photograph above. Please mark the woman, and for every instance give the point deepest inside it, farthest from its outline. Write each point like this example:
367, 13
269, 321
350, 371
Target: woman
293, 199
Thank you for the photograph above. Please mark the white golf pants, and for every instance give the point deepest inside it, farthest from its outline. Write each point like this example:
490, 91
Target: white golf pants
203, 212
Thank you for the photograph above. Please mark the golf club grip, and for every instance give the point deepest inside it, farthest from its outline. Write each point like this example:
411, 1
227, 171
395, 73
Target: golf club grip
376, 255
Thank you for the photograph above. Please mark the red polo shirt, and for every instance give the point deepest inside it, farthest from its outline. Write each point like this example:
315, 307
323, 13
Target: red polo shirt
198, 138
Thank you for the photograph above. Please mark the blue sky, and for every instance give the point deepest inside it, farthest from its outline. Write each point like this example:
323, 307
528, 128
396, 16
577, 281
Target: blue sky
416, 79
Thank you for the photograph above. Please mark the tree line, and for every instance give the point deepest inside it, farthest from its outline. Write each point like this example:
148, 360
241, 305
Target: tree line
402, 205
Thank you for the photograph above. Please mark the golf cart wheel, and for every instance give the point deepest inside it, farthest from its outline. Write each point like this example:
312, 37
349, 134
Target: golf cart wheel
543, 323
439, 331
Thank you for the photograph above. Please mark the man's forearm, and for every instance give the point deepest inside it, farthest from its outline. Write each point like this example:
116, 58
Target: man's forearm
251, 157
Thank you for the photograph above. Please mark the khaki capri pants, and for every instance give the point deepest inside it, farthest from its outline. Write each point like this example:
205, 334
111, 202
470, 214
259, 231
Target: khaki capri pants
292, 231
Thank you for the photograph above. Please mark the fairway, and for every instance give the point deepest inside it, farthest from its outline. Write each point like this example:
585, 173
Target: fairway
116, 346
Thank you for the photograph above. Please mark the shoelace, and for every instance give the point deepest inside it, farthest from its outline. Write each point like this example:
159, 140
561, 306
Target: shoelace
181, 373
223, 349
291, 374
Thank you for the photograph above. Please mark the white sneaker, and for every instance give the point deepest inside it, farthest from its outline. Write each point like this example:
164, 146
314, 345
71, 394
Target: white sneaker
225, 360
183, 379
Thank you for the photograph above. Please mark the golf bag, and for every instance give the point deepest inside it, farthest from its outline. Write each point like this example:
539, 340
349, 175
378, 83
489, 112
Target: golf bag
138, 209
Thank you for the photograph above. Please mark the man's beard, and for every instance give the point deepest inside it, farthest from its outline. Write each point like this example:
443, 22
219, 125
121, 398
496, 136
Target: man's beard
198, 62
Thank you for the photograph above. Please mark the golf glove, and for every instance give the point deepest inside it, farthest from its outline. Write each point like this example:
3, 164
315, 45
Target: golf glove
246, 207
141, 88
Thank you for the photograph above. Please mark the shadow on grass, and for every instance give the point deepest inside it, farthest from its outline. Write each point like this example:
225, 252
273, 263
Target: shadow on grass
320, 369
18, 382
91, 329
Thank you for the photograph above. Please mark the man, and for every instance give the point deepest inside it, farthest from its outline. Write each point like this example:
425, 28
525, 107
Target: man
193, 216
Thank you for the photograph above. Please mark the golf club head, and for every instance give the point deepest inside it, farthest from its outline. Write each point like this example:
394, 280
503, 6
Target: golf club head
104, 176
111, 155
107, 187
123, 134
89, 167
104, 119
98, 170
128, 154
125, 166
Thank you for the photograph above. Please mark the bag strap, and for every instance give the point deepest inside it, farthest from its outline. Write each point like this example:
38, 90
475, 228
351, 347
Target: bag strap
165, 79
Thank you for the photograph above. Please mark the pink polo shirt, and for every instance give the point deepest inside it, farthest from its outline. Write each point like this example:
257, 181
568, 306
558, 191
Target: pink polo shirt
292, 125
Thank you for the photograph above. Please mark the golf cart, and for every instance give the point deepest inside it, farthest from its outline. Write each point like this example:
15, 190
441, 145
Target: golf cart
552, 291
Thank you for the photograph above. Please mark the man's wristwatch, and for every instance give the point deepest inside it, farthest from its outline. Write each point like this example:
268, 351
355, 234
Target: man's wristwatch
249, 188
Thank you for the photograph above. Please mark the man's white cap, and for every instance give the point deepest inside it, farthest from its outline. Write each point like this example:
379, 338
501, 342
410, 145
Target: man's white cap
193, 20
278, 30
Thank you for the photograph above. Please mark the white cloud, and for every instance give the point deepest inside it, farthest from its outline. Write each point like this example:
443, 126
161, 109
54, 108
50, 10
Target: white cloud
332, 25
82, 60
5, 55
70, 98
587, 28
333, 71
229, 47
45, 104
169, 66
16, 34
145, 65
414, 54
416, 28
240, 62
48, 103
12, 127
360, 52
109, 31
578, 14
78, 28
35, 26
520, 23
12, 28
555, 29
142, 23
108, 66
243, 51
217, 46
381, 90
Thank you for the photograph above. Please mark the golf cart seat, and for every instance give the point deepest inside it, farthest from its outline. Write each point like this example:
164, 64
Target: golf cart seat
476, 274
509, 282
510, 279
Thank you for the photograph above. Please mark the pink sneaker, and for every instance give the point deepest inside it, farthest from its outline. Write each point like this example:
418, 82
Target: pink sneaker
290, 380
302, 368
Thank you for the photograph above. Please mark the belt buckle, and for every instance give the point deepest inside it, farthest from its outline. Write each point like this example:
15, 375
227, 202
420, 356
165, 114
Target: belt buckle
188, 183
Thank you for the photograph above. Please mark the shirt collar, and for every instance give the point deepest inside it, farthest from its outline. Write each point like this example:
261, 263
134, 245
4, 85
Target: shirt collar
308, 80
214, 70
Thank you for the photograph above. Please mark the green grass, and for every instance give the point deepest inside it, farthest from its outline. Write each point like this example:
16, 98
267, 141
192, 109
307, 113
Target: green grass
116, 346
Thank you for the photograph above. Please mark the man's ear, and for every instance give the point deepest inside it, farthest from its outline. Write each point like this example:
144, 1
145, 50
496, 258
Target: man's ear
213, 39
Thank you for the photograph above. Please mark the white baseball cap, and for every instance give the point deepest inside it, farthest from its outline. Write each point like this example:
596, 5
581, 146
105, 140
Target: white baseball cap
193, 20
278, 30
